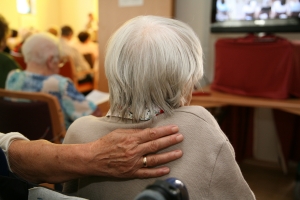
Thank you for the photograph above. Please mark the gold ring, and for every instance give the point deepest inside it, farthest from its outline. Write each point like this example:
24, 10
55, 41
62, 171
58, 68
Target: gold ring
144, 161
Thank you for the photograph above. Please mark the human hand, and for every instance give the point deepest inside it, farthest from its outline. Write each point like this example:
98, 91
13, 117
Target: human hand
120, 153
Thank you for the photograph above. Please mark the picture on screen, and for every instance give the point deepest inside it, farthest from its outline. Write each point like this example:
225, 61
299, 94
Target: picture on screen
256, 9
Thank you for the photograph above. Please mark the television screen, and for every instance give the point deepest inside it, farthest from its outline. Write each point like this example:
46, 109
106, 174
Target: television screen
255, 16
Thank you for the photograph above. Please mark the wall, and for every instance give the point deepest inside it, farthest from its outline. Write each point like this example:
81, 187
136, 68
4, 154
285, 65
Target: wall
112, 16
75, 12
197, 14
50, 12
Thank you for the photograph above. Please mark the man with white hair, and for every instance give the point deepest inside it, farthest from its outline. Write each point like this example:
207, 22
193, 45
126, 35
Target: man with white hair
43, 56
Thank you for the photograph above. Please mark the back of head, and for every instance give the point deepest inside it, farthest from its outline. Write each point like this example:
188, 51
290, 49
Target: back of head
83, 36
53, 30
39, 47
3, 29
66, 31
152, 63
14, 33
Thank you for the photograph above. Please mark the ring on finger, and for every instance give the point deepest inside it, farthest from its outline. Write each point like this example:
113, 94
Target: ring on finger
144, 161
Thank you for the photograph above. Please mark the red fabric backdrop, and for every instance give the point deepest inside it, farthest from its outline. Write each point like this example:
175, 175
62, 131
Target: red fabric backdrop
264, 67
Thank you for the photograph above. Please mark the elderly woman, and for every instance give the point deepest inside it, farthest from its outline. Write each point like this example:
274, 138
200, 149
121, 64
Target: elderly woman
43, 57
152, 65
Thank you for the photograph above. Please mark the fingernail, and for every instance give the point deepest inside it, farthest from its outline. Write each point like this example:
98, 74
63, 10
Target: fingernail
175, 129
178, 153
179, 137
165, 170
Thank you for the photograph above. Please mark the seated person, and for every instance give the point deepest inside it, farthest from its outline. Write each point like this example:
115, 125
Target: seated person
84, 71
222, 11
294, 8
53, 30
7, 63
42, 55
13, 39
85, 46
265, 10
24, 34
249, 9
152, 64
279, 9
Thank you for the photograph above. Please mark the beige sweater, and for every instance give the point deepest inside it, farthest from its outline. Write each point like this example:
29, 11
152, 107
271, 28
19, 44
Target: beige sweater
208, 167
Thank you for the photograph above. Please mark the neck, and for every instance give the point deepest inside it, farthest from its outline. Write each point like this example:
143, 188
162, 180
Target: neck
38, 69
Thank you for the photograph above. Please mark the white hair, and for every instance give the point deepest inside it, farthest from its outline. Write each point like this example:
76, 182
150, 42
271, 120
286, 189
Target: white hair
152, 62
38, 47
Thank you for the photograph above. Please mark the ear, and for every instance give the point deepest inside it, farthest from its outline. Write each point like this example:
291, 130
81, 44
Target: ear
49, 63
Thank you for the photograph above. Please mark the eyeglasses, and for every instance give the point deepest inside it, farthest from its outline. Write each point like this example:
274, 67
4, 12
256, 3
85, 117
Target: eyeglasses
62, 62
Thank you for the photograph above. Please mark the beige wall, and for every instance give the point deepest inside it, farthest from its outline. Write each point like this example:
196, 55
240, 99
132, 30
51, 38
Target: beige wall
75, 12
50, 12
111, 16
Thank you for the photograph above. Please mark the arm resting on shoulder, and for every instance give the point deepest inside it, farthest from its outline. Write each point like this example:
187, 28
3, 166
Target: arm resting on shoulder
42, 161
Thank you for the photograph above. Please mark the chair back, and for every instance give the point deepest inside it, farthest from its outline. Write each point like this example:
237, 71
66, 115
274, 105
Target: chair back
3, 164
89, 58
39, 117
19, 59
69, 71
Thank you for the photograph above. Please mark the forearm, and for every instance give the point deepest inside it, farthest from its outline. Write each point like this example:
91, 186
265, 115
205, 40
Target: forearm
117, 154
42, 161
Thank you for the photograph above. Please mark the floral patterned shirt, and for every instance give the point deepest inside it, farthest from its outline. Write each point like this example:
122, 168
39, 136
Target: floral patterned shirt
73, 103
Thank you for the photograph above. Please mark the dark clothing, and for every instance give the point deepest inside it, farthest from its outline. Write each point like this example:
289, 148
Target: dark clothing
7, 63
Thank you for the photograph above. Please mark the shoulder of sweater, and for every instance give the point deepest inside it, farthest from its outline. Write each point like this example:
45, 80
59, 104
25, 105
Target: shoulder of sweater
204, 115
76, 131
82, 122
199, 112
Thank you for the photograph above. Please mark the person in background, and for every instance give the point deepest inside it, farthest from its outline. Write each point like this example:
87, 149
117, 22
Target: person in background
53, 30
43, 56
279, 9
13, 39
7, 63
84, 71
86, 46
294, 8
152, 65
250, 10
222, 11
92, 27
24, 34
265, 10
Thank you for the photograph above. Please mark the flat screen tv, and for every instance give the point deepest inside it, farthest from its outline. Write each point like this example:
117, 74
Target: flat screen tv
255, 16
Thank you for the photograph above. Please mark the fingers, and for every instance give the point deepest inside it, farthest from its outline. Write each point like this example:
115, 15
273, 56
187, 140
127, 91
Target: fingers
155, 133
156, 160
152, 173
163, 158
159, 144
